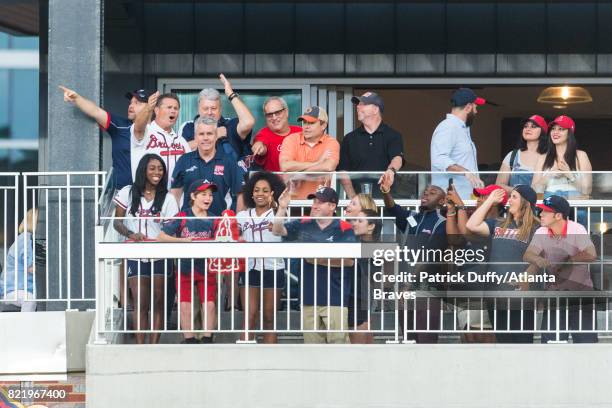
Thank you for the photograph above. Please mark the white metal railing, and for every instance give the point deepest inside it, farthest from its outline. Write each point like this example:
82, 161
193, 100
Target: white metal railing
62, 268
68, 204
9, 187
426, 312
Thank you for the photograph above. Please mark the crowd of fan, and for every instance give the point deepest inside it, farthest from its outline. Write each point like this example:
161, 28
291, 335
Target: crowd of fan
213, 164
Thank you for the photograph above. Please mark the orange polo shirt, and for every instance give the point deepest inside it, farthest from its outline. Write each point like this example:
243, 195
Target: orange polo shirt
295, 148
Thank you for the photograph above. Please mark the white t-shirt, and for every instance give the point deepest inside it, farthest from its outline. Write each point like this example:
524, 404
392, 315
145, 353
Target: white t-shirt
151, 226
169, 146
255, 229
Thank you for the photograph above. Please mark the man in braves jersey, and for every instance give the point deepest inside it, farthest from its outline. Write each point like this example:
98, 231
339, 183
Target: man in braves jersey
234, 133
267, 145
118, 128
158, 136
211, 164
326, 303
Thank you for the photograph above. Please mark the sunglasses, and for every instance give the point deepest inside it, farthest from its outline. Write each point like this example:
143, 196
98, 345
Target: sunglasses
270, 115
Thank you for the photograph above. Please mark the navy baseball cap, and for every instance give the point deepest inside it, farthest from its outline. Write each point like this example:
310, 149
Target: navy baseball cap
463, 96
202, 185
555, 204
369, 98
140, 94
527, 193
325, 194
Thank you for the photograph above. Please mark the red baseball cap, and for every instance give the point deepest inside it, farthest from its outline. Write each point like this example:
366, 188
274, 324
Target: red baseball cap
485, 191
565, 122
540, 121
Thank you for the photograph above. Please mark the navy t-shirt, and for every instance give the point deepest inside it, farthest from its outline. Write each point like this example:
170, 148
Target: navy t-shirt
231, 144
118, 128
195, 228
308, 230
221, 170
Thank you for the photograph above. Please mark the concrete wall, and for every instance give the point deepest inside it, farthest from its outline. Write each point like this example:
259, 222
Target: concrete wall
43, 343
350, 376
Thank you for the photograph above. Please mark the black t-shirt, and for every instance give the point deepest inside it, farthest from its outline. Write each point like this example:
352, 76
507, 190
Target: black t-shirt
361, 151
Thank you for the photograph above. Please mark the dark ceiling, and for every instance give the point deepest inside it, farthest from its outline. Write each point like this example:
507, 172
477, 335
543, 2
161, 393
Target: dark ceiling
431, 27
19, 17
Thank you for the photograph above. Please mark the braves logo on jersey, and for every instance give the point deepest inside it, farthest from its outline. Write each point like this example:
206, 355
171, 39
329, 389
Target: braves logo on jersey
254, 226
173, 149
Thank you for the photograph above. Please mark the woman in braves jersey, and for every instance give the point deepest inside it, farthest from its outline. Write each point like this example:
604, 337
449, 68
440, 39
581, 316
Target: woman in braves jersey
195, 225
144, 204
265, 275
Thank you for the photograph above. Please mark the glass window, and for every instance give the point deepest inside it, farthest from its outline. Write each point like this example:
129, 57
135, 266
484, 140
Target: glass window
4, 104
18, 109
18, 160
24, 100
24, 43
254, 99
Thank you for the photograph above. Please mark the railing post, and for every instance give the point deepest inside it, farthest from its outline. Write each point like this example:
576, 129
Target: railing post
245, 307
99, 279
68, 244
557, 330
396, 312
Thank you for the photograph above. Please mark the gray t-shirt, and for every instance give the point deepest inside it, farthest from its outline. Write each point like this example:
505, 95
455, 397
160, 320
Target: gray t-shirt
506, 247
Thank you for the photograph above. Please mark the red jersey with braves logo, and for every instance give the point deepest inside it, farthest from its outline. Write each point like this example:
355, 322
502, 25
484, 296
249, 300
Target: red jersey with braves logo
168, 145
273, 142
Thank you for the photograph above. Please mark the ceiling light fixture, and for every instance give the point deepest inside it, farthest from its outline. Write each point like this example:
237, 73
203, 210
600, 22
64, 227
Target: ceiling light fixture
564, 95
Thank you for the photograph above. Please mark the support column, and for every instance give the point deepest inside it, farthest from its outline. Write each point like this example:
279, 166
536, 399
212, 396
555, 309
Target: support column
71, 143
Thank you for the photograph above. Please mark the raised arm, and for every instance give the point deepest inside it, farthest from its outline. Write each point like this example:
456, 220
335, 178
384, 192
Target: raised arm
144, 117
456, 218
476, 223
246, 121
278, 228
86, 106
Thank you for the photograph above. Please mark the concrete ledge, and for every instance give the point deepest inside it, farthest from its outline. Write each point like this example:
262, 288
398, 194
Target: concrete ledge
78, 327
350, 376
